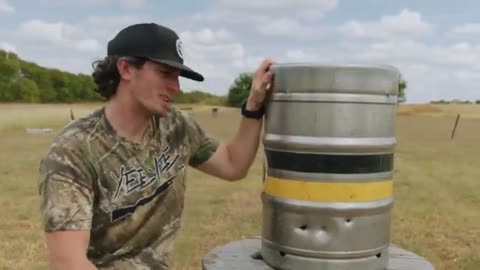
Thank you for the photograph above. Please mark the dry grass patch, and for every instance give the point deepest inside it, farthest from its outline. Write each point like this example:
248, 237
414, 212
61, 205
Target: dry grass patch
437, 192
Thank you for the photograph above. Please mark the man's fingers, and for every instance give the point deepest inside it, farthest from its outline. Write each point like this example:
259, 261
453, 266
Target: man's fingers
270, 81
264, 66
263, 79
266, 79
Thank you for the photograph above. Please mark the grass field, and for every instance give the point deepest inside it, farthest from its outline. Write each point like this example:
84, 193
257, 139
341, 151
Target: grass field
437, 187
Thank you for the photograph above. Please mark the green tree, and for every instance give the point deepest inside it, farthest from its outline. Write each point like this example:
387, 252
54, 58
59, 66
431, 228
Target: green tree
8, 68
60, 84
240, 89
9, 72
88, 88
27, 91
7, 92
44, 82
41, 76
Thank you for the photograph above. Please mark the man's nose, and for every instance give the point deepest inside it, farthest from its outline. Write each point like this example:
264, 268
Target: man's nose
174, 86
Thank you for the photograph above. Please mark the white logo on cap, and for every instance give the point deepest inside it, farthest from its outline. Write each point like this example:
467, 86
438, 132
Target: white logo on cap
180, 48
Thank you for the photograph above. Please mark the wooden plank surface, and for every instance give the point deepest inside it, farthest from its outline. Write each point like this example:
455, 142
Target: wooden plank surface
239, 255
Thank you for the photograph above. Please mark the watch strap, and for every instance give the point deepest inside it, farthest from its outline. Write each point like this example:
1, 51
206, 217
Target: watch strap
258, 114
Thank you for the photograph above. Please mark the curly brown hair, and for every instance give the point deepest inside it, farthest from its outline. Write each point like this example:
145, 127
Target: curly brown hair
106, 76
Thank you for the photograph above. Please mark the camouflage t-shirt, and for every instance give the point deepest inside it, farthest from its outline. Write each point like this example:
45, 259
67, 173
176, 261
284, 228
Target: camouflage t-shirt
130, 196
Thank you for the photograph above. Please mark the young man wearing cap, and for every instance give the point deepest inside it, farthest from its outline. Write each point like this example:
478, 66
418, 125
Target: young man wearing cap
112, 184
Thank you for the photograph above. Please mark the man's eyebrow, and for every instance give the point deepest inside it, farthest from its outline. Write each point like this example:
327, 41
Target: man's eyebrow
166, 68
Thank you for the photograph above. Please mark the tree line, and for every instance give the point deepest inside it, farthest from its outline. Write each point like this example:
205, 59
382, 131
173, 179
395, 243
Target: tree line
23, 81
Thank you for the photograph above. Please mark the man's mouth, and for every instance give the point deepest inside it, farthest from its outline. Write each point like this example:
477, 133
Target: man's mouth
166, 99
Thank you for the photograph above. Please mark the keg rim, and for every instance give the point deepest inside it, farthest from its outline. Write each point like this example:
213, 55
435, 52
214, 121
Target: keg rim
335, 65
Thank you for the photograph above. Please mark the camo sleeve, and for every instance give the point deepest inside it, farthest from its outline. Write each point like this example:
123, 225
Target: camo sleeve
65, 189
203, 146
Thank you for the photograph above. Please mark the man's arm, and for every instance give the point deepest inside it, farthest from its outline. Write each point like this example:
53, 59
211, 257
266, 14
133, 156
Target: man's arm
68, 250
232, 161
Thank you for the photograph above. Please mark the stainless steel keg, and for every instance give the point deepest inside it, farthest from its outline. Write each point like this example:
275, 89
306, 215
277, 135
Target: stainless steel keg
329, 145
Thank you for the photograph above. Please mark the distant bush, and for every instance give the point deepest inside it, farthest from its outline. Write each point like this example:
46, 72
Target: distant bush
199, 97
455, 101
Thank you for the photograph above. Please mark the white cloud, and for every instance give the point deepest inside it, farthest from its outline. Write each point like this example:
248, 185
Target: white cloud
106, 27
208, 40
270, 18
211, 50
465, 30
87, 45
207, 36
7, 47
405, 25
296, 56
38, 33
317, 55
432, 72
228, 15
74, 2
128, 4
466, 74
459, 54
409, 52
133, 4
218, 56
284, 27
389, 51
312, 9
71, 64
43, 41
6, 7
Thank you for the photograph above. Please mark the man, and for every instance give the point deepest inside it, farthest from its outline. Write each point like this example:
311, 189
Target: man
112, 183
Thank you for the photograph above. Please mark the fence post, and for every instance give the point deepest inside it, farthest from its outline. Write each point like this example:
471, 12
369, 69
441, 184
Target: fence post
455, 126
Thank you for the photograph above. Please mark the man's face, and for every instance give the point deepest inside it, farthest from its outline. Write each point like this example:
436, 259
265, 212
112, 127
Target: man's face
153, 86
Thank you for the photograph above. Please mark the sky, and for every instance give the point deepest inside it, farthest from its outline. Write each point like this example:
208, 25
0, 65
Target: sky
434, 44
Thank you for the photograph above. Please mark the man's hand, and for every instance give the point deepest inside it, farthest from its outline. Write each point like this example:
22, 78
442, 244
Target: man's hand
261, 84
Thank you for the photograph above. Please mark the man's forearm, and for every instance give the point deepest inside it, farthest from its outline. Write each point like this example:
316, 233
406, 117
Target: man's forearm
243, 148
231, 161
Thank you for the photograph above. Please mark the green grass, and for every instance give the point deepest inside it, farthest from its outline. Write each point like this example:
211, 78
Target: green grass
437, 189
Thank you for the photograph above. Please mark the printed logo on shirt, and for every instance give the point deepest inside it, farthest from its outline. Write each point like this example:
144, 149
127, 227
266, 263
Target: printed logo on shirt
137, 179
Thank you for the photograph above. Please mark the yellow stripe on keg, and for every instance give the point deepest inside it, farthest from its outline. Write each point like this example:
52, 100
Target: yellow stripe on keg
328, 191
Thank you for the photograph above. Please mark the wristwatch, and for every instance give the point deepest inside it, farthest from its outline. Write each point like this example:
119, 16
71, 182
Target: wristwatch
252, 114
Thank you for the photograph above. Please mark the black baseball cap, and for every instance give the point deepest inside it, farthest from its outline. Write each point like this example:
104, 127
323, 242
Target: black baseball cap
154, 42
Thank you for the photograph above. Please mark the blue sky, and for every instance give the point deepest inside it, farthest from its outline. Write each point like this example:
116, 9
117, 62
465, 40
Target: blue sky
435, 44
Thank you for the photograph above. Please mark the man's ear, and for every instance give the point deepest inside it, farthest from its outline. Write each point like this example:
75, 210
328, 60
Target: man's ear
125, 69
